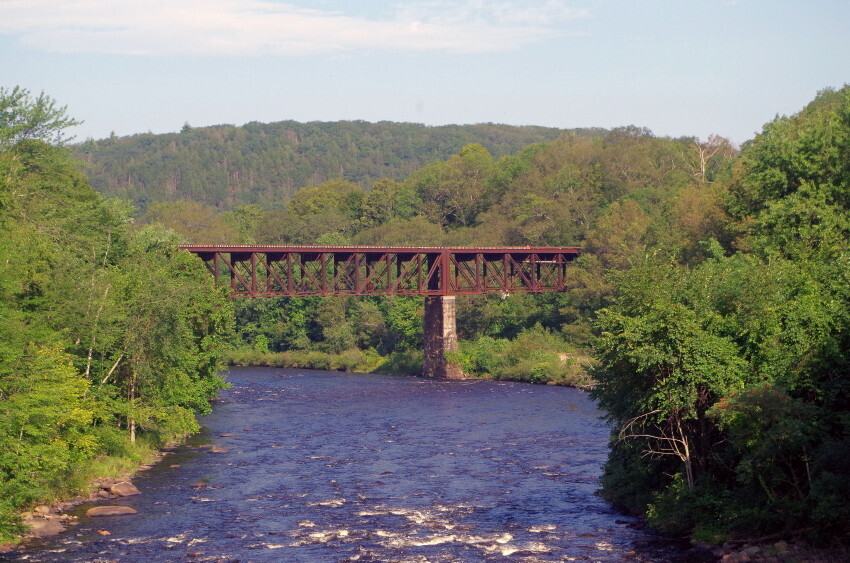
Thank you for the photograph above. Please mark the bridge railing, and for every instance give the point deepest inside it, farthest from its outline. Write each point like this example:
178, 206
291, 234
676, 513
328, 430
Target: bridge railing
303, 271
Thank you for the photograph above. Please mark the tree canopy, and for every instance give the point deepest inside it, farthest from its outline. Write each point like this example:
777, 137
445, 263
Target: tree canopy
106, 334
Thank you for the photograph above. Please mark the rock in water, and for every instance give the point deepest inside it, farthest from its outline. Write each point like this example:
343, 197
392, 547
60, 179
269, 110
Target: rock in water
110, 511
44, 528
124, 489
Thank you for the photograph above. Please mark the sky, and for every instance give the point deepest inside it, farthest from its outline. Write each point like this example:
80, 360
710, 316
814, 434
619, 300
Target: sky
677, 67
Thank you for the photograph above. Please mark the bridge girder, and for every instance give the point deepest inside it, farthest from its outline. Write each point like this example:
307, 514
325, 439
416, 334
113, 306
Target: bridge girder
325, 271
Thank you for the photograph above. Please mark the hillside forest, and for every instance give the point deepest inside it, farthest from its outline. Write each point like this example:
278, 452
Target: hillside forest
708, 314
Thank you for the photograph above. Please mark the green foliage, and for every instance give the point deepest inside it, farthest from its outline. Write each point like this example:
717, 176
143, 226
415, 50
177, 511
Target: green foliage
45, 424
194, 222
792, 192
404, 322
536, 356
103, 331
775, 435
732, 373
25, 117
267, 163
353, 360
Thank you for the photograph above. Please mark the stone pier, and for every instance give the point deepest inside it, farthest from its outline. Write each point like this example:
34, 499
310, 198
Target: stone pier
440, 337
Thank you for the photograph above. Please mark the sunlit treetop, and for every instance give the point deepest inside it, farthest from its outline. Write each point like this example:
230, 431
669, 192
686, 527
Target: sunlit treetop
24, 116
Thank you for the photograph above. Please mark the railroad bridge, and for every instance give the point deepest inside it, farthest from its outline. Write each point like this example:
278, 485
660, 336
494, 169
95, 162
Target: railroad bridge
437, 273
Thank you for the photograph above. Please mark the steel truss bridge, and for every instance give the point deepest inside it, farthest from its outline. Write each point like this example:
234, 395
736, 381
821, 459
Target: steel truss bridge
324, 271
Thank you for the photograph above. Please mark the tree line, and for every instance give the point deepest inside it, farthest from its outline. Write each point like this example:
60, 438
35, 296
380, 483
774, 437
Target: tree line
109, 337
266, 163
727, 380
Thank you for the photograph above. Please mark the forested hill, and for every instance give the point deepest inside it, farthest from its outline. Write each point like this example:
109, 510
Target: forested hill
226, 166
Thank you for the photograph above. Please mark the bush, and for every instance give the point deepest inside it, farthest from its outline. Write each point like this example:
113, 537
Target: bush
536, 356
353, 360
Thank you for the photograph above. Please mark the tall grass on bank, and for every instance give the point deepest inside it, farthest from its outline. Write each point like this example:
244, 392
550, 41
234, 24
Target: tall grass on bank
535, 356
354, 360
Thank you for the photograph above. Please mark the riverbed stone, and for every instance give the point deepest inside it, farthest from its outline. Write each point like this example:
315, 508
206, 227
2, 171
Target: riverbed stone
124, 489
110, 511
42, 528
218, 450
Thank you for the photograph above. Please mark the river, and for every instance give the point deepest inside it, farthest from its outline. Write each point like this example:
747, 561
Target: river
328, 466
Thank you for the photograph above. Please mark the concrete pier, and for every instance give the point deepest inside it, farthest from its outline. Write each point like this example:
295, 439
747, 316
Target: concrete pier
440, 337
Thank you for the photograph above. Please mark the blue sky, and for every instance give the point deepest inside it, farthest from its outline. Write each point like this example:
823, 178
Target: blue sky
678, 67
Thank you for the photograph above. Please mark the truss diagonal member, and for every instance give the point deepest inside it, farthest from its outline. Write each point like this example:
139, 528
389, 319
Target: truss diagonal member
495, 274
308, 277
210, 264
343, 273
462, 267
237, 277
520, 273
533, 261
415, 264
274, 275
437, 264
376, 272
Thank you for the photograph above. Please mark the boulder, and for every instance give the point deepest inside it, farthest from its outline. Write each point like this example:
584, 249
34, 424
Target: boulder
110, 511
41, 528
781, 546
124, 489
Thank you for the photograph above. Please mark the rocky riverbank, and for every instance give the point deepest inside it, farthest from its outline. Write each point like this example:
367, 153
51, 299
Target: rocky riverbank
781, 551
45, 521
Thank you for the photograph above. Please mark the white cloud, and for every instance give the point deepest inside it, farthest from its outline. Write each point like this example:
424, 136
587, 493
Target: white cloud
256, 27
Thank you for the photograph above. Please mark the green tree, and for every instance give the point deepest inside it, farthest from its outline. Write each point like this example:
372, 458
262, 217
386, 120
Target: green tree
791, 195
175, 324
25, 117
195, 222
101, 329
456, 191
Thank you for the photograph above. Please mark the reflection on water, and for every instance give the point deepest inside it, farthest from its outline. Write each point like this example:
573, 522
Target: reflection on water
324, 466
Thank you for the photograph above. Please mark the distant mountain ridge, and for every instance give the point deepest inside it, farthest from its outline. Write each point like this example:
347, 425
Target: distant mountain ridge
266, 163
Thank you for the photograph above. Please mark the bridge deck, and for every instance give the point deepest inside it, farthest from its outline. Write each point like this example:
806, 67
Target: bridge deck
302, 271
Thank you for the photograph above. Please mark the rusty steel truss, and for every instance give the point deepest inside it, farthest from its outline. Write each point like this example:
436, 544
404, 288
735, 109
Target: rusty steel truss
304, 271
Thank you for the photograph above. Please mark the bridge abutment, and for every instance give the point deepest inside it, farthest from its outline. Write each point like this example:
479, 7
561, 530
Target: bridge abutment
440, 324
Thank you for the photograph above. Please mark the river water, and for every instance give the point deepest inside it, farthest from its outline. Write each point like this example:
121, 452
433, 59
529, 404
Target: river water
327, 466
